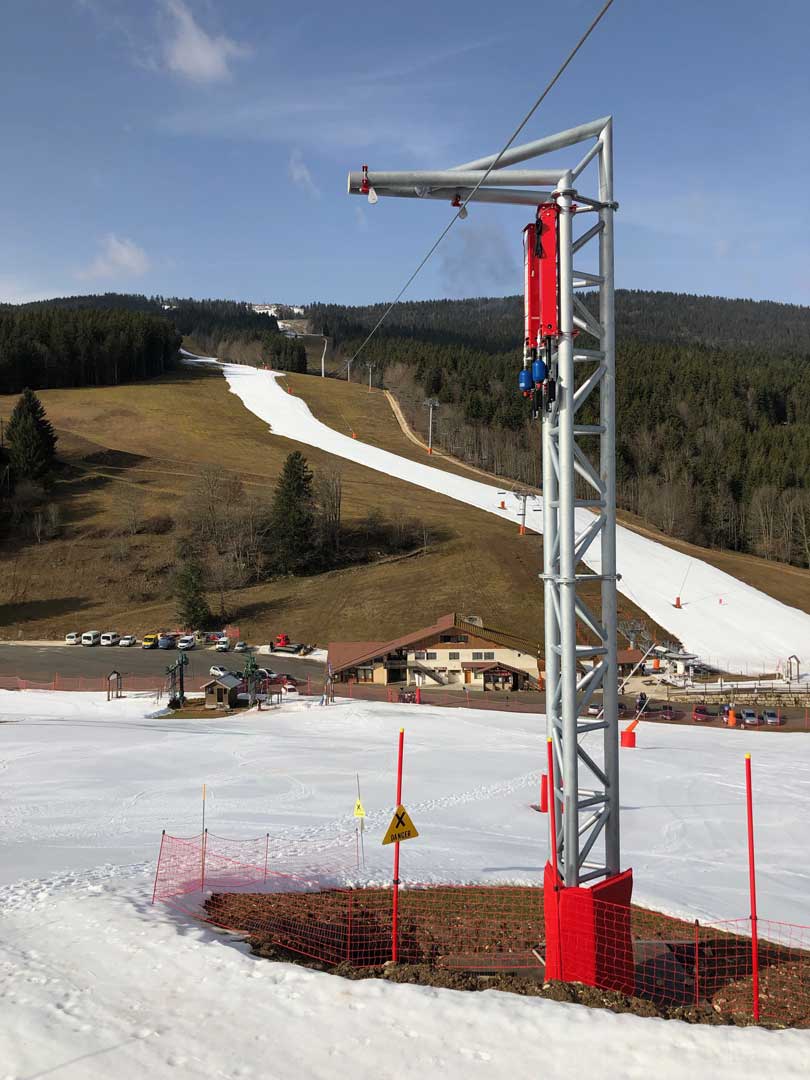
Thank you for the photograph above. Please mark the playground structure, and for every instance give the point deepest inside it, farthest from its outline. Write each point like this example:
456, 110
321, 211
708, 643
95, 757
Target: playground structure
568, 372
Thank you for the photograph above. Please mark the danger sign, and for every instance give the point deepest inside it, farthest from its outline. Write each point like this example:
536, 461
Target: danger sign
359, 810
401, 828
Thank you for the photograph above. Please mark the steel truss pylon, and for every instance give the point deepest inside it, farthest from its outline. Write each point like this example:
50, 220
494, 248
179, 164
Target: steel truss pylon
579, 476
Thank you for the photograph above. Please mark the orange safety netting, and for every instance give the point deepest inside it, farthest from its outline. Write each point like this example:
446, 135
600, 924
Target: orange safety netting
289, 894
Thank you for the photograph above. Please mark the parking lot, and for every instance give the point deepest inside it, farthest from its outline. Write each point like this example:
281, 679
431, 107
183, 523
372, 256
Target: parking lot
42, 663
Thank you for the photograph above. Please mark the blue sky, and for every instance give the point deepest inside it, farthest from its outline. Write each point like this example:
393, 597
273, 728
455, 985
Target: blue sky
200, 148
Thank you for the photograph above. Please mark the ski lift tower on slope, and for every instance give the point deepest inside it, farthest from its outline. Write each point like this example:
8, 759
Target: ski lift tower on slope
569, 375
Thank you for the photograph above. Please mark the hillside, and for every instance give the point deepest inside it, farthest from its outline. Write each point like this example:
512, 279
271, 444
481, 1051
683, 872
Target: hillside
131, 455
713, 405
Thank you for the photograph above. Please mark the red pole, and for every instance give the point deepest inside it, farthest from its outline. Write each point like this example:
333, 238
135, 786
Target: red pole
544, 794
266, 850
697, 964
157, 871
552, 822
752, 885
395, 913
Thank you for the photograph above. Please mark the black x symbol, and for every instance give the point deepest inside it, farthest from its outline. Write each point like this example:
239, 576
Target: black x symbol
400, 819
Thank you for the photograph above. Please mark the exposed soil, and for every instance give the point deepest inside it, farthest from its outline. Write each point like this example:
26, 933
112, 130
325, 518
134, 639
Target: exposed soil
490, 938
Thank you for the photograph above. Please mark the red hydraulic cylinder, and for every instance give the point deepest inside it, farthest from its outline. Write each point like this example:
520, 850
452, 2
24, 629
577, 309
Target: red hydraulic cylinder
531, 287
546, 226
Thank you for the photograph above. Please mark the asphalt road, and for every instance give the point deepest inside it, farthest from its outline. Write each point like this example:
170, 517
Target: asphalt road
41, 663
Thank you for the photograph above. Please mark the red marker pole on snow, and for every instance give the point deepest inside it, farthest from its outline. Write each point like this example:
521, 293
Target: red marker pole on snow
752, 885
395, 910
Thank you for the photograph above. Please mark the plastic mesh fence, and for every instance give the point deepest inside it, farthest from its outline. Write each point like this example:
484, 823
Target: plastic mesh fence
281, 892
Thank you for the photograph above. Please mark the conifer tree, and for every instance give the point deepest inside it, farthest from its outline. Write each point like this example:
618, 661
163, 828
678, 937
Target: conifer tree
192, 605
30, 438
292, 517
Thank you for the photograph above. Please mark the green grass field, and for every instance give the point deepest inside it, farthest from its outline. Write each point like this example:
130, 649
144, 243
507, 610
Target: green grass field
148, 441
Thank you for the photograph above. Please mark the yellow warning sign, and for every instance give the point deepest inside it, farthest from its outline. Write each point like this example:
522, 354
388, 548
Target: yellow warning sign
358, 809
401, 828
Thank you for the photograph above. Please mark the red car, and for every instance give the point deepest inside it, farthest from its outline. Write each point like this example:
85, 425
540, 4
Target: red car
700, 714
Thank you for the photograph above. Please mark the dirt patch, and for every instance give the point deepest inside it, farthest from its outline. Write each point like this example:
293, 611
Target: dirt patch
491, 938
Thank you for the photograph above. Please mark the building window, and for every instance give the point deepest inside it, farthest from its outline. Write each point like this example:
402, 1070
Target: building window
478, 656
365, 674
430, 655
489, 655
419, 656
453, 656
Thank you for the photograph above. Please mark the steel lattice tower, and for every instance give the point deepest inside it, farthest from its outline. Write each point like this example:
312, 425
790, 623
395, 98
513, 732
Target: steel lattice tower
579, 471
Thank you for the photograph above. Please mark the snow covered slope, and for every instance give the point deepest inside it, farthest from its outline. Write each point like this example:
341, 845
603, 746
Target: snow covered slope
730, 624
95, 982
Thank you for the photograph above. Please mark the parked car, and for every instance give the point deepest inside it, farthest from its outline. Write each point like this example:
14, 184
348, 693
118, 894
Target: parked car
150, 641
240, 646
771, 716
216, 671
667, 712
91, 637
187, 641
166, 641
73, 639
110, 638
127, 640
594, 708
701, 714
266, 673
222, 645
751, 718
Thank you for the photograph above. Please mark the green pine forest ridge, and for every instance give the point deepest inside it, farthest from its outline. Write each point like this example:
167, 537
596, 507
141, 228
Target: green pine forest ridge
713, 408
713, 404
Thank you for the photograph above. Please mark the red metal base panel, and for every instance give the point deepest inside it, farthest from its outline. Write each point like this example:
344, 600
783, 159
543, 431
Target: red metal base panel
588, 932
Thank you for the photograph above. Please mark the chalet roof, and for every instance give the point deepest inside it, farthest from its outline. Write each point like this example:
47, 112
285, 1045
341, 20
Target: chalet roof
342, 654
230, 682
629, 656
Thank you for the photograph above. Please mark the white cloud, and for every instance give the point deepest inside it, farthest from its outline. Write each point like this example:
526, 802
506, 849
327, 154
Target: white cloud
300, 174
119, 257
195, 54
360, 217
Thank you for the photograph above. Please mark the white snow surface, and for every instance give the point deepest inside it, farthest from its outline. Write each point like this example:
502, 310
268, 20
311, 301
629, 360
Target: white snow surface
95, 982
729, 624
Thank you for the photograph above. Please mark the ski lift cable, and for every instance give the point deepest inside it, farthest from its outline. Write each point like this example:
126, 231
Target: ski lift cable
462, 209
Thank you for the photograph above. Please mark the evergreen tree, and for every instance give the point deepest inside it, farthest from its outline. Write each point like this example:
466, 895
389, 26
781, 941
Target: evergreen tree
192, 606
292, 518
31, 439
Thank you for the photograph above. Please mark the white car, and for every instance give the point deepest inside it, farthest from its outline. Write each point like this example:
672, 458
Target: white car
240, 646
91, 637
127, 640
222, 645
73, 639
110, 638
216, 671
188, 641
